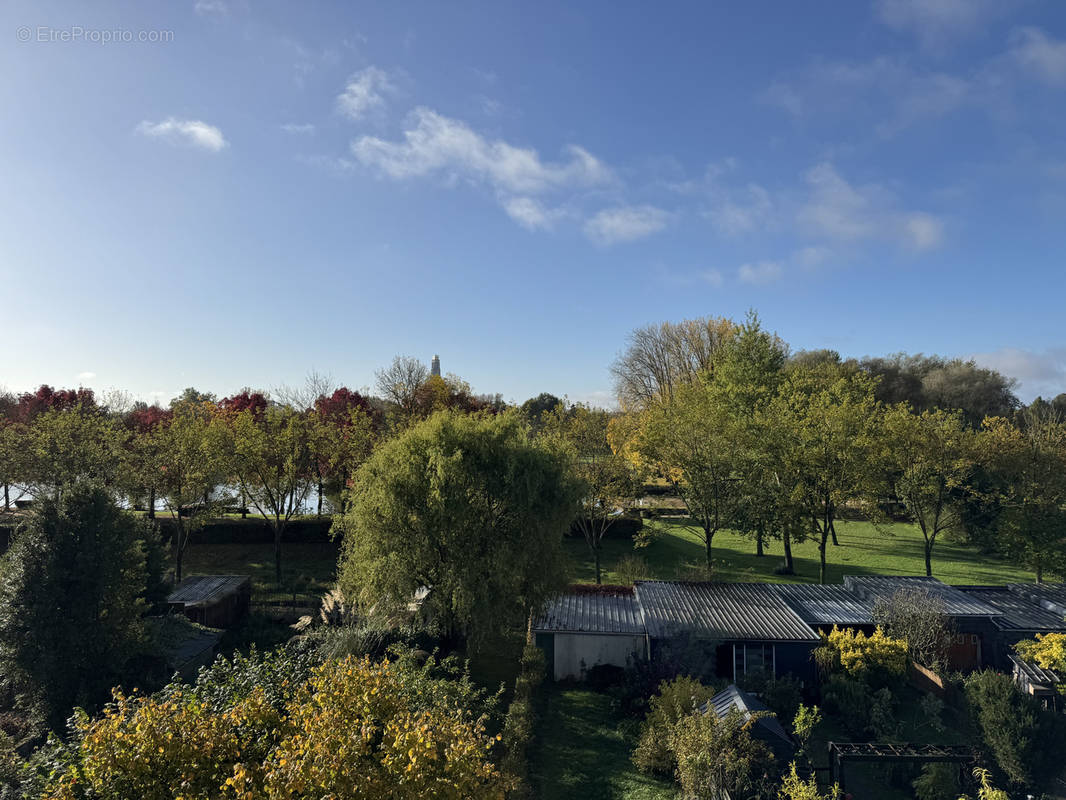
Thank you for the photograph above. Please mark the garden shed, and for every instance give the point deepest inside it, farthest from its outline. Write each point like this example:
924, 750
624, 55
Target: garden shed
766, 729
1021, 617
588, 627
754, 630
216, 601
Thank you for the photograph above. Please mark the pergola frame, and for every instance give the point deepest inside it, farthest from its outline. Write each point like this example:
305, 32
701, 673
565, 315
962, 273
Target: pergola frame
868, 752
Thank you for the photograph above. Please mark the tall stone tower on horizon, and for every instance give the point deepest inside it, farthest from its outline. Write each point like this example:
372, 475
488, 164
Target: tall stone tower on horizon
434, 366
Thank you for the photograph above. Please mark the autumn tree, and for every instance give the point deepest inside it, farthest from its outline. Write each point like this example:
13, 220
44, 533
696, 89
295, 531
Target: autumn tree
607, 481
68, 446
399, 382
468, 507
932, 457
659, 358
342, 437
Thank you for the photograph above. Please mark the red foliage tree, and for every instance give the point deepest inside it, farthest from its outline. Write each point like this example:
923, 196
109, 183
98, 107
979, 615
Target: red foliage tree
31, 404
245, 400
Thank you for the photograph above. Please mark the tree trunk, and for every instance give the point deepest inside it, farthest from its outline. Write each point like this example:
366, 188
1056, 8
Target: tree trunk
278, 525
1039, 572
759, 542
151, 503
709, 537
596, 558
786, 539
7, 498
319, 472
179, 548
821, 556
928, 558
833, 530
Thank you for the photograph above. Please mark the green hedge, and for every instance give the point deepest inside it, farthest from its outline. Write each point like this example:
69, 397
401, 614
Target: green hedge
253, 531
626, 526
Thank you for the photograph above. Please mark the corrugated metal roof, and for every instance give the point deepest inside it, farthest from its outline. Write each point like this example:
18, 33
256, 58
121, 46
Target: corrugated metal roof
1019, 613
825, 604
1051, 596
592, 613
1035, 673
723, 611
882, 587
733, 697
205, 589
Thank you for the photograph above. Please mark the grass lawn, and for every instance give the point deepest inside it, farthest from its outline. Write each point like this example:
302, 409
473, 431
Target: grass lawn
312, 568
580, 751
676, 553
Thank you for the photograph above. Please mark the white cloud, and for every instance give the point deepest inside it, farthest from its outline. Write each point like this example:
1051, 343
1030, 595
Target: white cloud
531, 213
86, 376
760, 273
625, 224
743, 211
435, 144
211, 7
890, 90
298, 128
813, 256
712, 277
188, 132
837, 210
1039, 372
364, 93
1040, 54
937, 21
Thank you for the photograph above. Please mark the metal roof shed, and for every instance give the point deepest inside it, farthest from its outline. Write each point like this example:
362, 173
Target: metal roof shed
882, 587
217, 601
1017, 612
721, 611
823, 604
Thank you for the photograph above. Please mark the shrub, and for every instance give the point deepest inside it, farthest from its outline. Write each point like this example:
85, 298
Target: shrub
937, 782
781, 694
350, 728
721, 754
807, 718
519, 722
793, 787
877, 660
919, 618
632, 568
674, 700
1023, 739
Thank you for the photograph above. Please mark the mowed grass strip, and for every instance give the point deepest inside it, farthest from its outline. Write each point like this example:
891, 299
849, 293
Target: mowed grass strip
582, 750
677, 553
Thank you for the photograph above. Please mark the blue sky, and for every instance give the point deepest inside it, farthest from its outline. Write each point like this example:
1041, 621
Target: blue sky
276, 187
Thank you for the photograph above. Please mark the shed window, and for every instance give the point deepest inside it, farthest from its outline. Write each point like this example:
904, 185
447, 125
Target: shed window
753, 658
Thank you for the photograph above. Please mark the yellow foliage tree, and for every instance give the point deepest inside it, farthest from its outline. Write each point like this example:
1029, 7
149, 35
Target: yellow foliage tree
1048, 650
861, 656
354, 729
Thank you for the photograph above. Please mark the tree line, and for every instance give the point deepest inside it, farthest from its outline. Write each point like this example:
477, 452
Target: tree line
780, 445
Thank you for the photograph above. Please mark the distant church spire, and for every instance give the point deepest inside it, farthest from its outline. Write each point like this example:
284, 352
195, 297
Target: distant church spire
434, 367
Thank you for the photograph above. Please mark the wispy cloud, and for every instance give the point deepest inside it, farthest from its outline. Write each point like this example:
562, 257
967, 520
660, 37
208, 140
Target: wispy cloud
209, 8
304, 128
837, 210
435, 144
86, 376
936, 22
187, 132
760, 273
625, 224
364, 92
1040, 54
531, 213
1040, 372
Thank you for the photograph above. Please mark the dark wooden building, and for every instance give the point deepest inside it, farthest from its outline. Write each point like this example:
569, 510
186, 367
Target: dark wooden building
216, 601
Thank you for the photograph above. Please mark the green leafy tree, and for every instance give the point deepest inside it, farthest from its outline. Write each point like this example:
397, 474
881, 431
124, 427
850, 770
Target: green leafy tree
268, 453
186, 471
70, 603
793, 787
1030, 463
65, 447
831, 426
696, 443
932, 457
722, 754
607, 480
468, 507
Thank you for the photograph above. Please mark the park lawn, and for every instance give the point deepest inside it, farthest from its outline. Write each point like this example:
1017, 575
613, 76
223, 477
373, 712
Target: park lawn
308, 569
677, 553
581, 750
